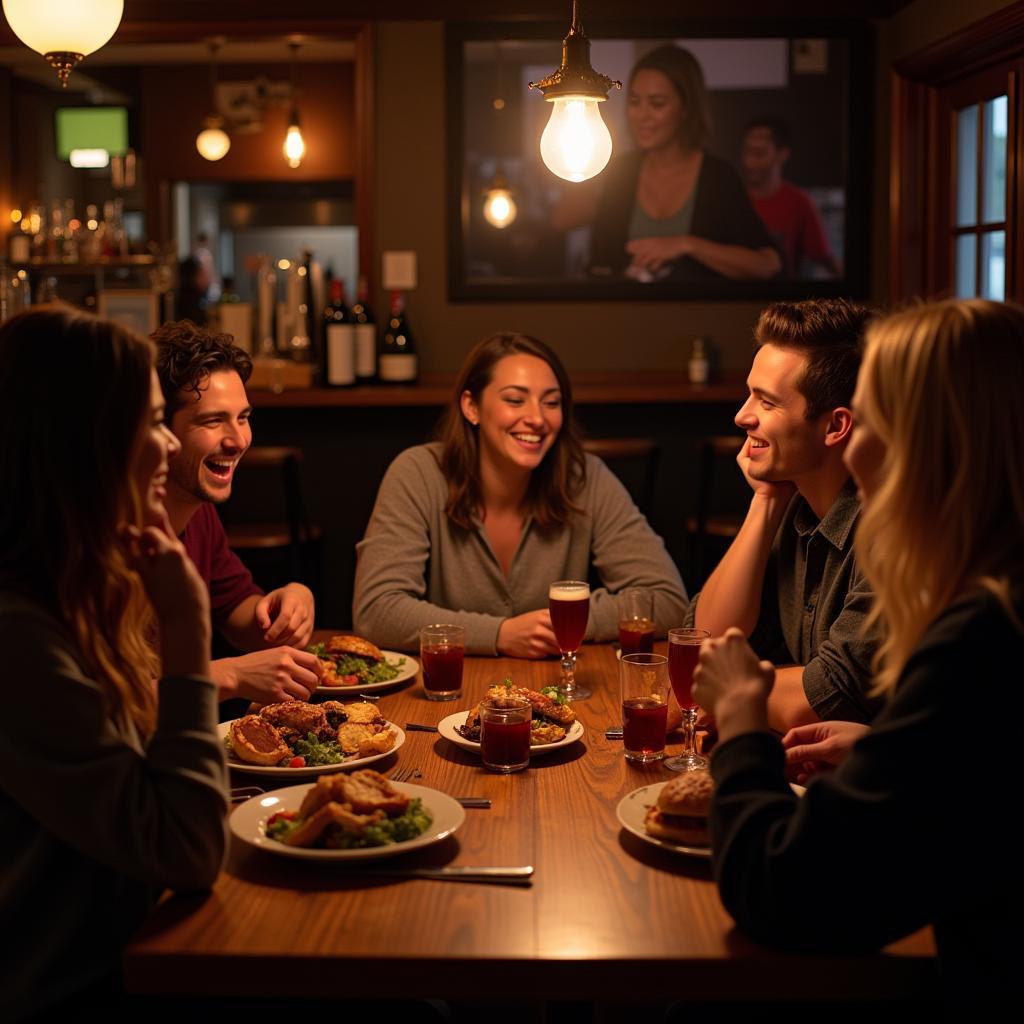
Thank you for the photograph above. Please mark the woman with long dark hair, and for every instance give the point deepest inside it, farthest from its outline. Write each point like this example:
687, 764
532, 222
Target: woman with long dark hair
912, 826
472, 529
111, 787
668, 208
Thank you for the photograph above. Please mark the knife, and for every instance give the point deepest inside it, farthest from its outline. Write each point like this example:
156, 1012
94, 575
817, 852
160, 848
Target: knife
500, 876
416, 727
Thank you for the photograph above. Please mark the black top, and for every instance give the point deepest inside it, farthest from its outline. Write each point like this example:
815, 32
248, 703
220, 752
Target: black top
914, 828
721, 213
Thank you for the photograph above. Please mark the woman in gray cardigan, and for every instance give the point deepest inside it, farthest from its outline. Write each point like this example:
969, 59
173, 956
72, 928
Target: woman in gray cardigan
473, 528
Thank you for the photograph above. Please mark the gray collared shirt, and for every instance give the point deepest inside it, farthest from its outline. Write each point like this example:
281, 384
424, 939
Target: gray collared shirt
813, 605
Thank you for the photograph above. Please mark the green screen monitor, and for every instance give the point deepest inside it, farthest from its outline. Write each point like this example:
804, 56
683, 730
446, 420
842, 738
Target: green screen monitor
93, 134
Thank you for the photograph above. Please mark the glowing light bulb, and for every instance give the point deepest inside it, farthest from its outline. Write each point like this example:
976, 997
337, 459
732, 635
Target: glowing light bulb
499, 207
576, 143
294, 145
213, 142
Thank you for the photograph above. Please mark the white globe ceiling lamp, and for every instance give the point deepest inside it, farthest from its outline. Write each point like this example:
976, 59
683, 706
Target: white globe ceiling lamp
212, 141
576, 143
64, 31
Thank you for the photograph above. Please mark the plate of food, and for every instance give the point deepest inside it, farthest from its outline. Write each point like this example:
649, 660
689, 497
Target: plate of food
360, 816
353, 663
673, 815
298, 740
554, 722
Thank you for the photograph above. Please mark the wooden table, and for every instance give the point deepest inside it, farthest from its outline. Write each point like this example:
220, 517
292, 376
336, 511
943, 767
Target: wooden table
607, 915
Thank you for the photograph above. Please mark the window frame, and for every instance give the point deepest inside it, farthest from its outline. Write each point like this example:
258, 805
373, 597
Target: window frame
983, 61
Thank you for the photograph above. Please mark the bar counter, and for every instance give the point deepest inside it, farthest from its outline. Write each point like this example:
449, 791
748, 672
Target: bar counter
589, 388
607, 918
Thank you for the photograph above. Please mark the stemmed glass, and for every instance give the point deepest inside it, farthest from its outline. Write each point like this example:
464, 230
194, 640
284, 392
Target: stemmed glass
683, 652
569, 601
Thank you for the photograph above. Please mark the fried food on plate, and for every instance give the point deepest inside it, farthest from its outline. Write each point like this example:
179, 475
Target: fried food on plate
356, 646
298, 716
256, 741
330, 814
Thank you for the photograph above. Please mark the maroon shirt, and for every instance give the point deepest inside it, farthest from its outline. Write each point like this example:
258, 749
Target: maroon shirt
228, 581
793, 219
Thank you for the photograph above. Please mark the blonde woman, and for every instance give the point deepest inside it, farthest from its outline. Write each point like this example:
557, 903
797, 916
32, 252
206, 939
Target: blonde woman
914, 826
111, 788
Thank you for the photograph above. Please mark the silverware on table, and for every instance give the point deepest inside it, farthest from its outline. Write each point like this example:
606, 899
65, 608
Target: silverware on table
480, 803
368, 696
405, 774
457, 873
418, 727
613, 732
240, 793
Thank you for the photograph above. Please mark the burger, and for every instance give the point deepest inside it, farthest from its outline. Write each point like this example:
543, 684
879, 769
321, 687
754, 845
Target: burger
681, 813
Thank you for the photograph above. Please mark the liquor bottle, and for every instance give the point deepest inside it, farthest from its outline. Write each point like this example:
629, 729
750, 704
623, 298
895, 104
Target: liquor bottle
699, 366
339, 340
398, 363
366, 336
72, 226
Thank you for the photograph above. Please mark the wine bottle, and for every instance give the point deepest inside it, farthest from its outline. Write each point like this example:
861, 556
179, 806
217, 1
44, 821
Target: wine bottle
398, 363
366, 336
339, 339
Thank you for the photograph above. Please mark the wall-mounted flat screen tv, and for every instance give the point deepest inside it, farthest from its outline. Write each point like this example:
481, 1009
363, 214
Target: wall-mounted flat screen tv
99, 129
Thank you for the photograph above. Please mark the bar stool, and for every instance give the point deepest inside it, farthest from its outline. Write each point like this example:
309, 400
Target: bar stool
634, 460
290, 548
712, 526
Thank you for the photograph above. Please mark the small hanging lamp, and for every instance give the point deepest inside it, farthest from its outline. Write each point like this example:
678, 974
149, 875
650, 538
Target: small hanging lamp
576, 143
213, 142
294, 147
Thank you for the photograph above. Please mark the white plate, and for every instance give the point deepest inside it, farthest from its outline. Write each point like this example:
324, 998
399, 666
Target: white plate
407, 671
248, 823
449, 729
319, 769
632, 810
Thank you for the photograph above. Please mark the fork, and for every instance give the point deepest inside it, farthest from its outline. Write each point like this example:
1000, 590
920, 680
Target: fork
407, 774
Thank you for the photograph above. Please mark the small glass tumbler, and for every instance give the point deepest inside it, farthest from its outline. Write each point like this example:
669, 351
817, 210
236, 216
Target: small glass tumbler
442, 650
505, 733
645, 689
636, 620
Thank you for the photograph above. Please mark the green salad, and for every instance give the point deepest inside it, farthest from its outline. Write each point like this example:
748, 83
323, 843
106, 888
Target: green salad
414, 822
314, 752
368, 672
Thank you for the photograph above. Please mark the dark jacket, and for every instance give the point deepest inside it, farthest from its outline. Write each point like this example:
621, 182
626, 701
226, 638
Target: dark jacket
721, 213
918, 826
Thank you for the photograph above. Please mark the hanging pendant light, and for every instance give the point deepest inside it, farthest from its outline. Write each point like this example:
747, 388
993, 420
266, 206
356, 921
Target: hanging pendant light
499, 206
213, 142
294, 147
64, 31
576, 143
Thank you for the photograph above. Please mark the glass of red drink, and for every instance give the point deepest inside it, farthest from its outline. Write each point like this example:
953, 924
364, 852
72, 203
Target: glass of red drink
442, 649
683, 652
636, 620
505, 733
569, 602
645, 689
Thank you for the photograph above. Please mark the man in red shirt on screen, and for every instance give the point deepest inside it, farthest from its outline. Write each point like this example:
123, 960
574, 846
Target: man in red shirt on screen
203, 377
788, 212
